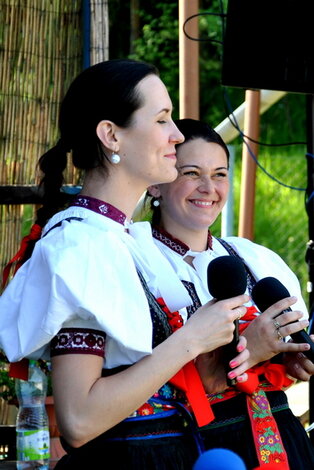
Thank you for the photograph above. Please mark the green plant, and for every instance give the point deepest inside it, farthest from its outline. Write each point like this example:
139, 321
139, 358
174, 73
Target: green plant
7, 385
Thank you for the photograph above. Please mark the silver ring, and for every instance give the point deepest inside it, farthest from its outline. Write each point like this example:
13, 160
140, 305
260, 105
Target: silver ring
276, 324
239, 313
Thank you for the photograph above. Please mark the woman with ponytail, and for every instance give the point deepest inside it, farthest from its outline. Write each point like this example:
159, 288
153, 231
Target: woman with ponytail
98, 298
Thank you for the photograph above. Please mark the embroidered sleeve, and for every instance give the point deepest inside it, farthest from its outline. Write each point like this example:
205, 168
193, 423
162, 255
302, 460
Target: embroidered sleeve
78, 341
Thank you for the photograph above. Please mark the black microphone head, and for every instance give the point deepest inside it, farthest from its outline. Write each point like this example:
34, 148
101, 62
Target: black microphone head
268, 291
226, 277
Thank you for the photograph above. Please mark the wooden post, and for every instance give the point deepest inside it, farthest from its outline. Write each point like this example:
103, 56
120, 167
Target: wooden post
247, 195
188, 61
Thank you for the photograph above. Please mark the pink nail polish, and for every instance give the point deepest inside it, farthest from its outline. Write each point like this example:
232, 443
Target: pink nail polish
231, 375
233, 364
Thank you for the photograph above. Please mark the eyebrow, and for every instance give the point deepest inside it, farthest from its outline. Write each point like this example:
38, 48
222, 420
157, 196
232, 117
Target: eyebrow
164, 110
199, 168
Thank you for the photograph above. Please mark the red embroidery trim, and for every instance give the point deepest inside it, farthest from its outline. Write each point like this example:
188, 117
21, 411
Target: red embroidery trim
78, 341
266, 435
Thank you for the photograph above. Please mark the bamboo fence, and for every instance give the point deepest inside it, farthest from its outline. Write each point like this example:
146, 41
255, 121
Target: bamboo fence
99, 40
40, 53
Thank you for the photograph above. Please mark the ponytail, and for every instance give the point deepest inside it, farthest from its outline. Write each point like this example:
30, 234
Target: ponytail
52, 164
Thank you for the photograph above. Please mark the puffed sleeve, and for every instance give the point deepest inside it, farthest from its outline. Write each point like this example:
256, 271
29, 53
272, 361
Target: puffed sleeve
77, 274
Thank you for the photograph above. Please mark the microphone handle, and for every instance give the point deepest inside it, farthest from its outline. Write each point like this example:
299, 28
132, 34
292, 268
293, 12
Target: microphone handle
230, 351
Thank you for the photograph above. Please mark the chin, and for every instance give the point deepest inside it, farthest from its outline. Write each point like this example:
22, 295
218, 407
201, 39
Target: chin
172, 175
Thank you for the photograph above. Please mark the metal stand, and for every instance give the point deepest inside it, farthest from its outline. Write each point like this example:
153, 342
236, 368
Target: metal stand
309, 257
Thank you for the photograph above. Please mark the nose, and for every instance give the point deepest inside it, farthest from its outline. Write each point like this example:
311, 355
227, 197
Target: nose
206, 185
177, 137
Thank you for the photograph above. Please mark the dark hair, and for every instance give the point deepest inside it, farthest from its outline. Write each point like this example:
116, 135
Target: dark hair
194, 129
106, 90
191, 129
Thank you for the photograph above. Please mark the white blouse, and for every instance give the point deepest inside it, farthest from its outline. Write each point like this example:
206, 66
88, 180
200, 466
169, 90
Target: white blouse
262, 262
83, 273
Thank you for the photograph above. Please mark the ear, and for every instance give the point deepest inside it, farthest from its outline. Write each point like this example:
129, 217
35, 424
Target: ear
105, 131
154, 191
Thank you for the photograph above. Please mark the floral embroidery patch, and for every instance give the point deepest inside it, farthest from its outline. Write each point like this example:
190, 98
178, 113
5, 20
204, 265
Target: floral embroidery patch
267, 439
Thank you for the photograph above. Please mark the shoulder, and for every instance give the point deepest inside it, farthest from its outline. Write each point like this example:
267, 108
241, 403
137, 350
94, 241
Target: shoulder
78, 236
244, 245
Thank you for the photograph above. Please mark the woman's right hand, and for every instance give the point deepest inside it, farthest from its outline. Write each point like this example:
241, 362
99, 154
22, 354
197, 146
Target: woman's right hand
266, 332
212, 325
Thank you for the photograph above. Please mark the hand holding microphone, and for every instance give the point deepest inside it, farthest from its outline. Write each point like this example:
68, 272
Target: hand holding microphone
226, 278
267, 292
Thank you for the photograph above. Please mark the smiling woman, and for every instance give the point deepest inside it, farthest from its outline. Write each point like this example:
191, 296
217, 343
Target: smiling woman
195, 199
252, 419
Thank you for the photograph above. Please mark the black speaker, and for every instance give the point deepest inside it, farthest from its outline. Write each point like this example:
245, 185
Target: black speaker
268, 44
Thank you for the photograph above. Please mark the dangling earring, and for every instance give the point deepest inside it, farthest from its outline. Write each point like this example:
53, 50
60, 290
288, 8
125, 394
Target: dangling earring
115, 158
156, 203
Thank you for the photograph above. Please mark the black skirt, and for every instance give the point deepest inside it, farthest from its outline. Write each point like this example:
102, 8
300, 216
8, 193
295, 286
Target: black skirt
149, 444
232, 430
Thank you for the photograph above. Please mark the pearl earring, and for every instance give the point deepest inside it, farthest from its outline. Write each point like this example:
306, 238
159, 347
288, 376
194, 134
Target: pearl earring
115, 158
156, 203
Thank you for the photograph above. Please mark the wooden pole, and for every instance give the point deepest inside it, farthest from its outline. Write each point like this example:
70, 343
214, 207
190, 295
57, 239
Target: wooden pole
188, 61
247, 195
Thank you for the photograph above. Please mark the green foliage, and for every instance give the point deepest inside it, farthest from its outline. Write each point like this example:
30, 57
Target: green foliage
7, 384
158, 43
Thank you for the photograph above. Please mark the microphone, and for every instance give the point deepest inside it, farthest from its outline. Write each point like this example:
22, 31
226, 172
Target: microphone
219, 459
270, 290
226, 278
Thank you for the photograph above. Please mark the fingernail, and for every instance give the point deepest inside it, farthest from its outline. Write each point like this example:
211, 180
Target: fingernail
233, 364
240, 378
231, 375
240, 348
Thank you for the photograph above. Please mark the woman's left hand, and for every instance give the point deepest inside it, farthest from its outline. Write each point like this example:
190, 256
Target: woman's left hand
212, 370
298, 365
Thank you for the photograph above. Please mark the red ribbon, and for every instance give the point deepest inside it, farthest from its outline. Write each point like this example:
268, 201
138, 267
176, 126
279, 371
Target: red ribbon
19, 369
275, 374
187, 379
18, 258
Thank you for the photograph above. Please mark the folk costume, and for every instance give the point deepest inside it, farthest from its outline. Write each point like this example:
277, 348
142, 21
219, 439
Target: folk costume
253, 419
97, 284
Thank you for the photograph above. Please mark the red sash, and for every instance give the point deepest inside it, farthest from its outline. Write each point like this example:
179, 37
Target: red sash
187, 379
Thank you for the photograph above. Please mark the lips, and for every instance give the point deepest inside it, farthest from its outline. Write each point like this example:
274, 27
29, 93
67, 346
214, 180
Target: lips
172, 156
201, 203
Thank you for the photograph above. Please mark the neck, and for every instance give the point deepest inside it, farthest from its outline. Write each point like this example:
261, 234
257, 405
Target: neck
122, 195
196, 240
